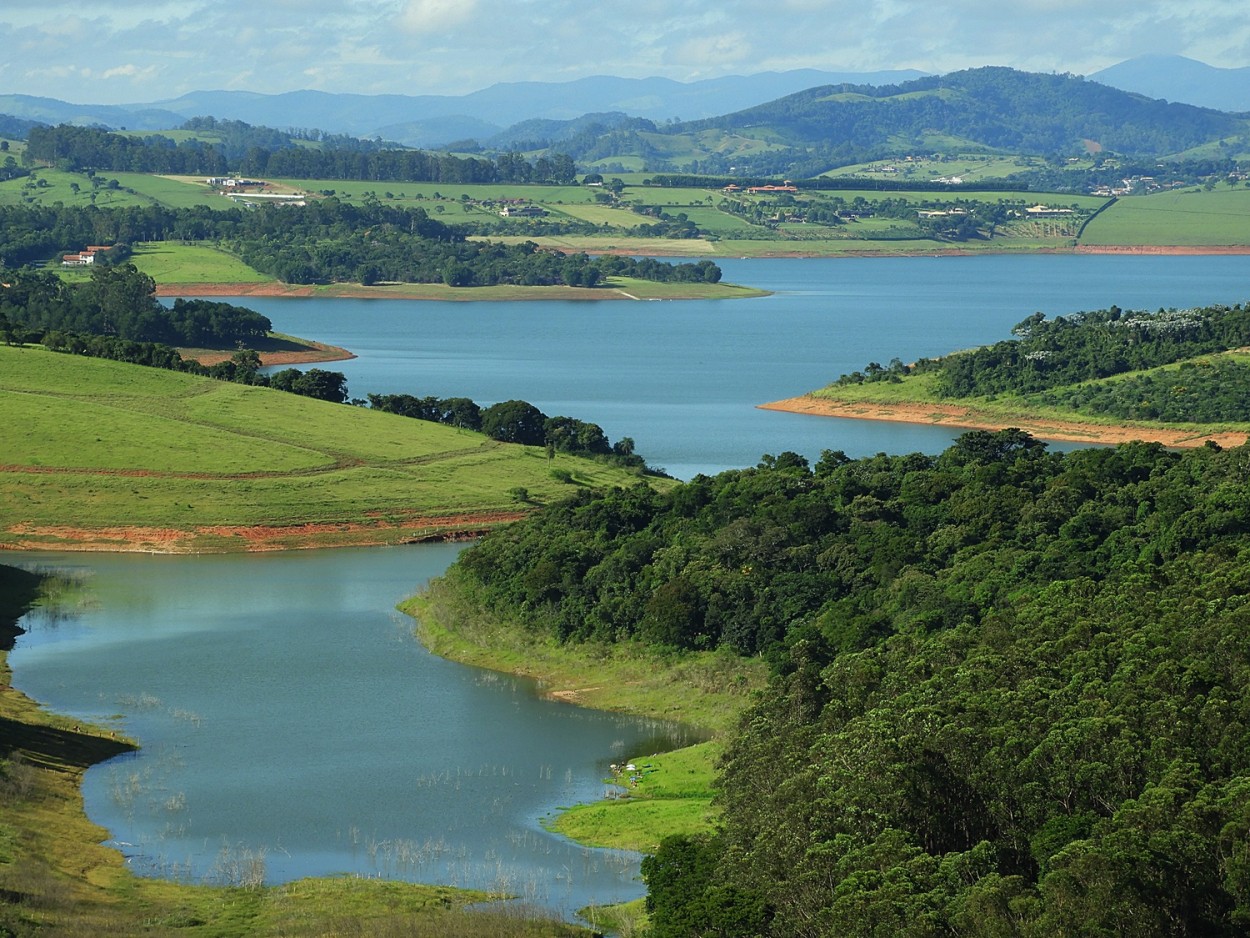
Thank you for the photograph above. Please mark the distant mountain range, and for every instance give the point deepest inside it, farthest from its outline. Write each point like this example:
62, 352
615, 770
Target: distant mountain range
1176, 78
1124, 108
990, 108
433, 120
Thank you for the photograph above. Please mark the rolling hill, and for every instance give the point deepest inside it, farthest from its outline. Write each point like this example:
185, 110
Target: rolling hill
994, 108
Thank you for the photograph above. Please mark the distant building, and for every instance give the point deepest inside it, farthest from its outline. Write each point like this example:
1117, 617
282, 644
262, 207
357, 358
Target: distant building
522, 211
86, 257
1046, 211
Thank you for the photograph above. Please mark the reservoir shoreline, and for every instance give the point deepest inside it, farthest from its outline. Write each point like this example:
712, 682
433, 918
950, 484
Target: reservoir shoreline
933, 413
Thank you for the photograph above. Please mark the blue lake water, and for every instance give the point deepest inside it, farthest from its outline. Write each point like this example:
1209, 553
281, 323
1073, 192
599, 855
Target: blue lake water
684, 378
285, 709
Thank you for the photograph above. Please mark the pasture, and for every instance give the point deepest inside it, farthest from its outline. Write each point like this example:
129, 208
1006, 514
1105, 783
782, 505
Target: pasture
169, 262
97, 449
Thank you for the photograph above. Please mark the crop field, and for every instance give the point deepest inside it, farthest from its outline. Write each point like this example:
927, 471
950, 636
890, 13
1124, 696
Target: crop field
1182, 217
676, 195
97, 446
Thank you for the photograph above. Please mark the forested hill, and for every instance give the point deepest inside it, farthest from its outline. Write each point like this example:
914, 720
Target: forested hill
1132, 365
1011, 692
1001, 108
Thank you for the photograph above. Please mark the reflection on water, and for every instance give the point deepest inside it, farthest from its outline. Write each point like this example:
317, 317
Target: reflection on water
292, 726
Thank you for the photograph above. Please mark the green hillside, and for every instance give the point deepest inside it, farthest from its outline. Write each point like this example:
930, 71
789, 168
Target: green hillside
997, 108
120, 456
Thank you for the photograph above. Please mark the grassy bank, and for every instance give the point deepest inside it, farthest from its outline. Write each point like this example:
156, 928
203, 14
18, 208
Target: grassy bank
108, 456
57, 879
706, 691
667, 793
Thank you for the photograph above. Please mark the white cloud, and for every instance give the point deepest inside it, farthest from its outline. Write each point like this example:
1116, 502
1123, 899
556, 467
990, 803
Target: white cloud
436, 16
154, 49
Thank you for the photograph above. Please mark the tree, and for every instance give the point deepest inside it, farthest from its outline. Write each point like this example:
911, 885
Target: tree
515, 422
316, 383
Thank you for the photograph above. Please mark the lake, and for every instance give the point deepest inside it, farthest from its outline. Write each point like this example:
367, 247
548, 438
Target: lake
284, 708
684, 378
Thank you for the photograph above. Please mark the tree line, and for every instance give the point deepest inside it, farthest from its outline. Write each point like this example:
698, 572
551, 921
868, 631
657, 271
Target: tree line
262, 151
121, 302
1067, 361
329, 240
515, 421
1011, 691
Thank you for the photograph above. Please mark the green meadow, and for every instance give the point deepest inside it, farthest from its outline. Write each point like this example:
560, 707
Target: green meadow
97, 446
1193, 217
169, 262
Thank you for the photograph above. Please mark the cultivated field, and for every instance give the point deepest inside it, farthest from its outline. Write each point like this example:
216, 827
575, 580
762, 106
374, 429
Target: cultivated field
1183, 217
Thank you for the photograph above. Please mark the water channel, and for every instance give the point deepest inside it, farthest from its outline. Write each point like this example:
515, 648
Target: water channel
284, 708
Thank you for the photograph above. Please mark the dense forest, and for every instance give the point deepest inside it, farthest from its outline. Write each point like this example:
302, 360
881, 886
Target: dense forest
1107, 362
1010, 690
120, 301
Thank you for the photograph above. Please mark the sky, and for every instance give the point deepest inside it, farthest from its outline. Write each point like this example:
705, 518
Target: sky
132, 51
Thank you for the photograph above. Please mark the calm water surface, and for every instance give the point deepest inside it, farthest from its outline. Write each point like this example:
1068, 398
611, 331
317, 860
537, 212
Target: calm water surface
286, 711
284, 707
683, 378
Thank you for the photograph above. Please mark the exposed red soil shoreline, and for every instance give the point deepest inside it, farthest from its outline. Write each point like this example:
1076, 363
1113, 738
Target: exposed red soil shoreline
315, 353
252, 538
783, 253
964, 418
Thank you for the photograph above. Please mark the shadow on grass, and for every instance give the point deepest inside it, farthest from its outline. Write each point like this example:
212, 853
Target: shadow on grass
18, 591
53, 748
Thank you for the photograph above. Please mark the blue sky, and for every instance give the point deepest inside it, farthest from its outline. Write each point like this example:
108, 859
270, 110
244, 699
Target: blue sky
126, 51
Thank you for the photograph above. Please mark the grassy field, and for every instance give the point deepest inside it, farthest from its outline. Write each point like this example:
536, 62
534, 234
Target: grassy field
174, 191
606, 215
49, 186
441, 191
172, 262
1183, 217
123, 457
